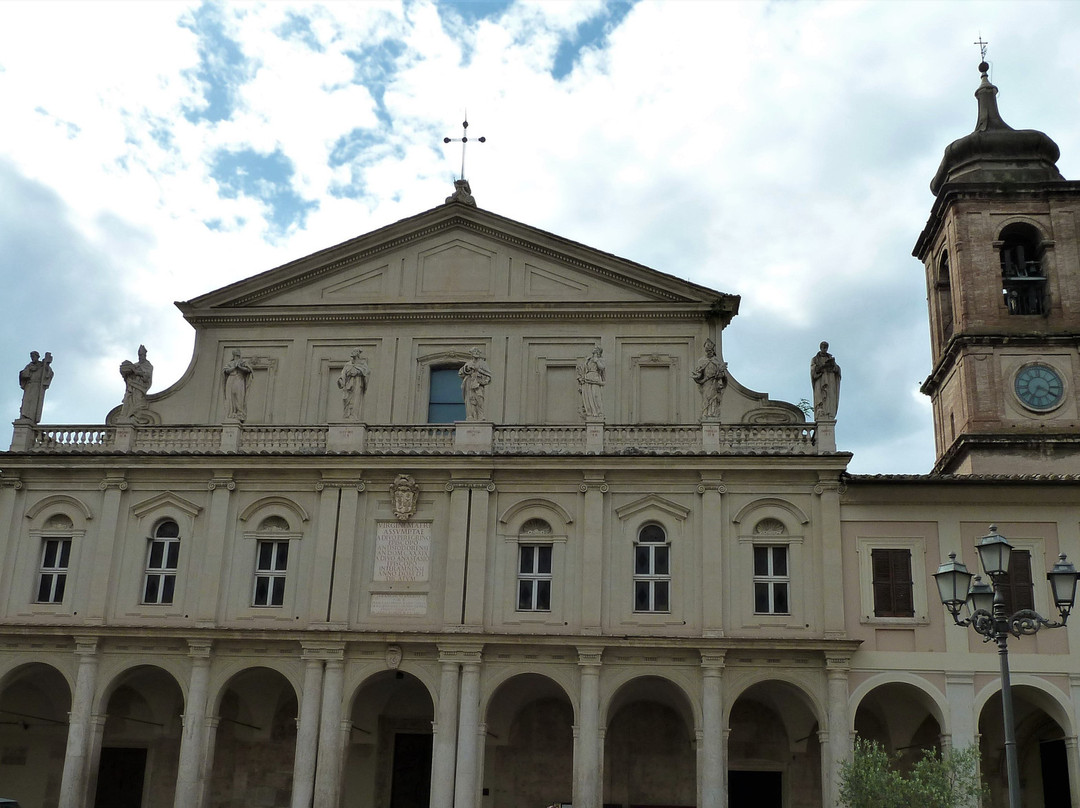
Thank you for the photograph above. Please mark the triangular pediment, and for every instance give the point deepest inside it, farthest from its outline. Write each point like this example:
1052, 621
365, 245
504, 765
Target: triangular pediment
456, 255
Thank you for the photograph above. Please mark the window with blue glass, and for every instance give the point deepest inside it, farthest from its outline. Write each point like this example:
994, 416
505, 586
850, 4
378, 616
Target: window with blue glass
445, 403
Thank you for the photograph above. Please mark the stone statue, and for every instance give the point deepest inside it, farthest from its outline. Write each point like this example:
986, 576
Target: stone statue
711, 376
825, 378
137, 378
462, 193
237, 373
353, 384
475, 376
591, 375
405, 493
34, 379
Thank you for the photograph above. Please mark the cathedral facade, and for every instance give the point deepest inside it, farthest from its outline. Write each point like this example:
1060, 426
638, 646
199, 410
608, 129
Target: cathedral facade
463, 514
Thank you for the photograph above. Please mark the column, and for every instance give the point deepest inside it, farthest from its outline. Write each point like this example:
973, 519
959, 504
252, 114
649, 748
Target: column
93, 758
591, 582
1072, 754
9, 488
215, 560
960, 695
481, 752
342, 561
712, 562
712, 715
307, 732
189, 769
465, 773
73, 784
327, 767
839, 733
587, 733
444, 742
209, 744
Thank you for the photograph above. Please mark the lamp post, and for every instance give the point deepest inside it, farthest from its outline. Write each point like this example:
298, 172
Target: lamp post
986, 604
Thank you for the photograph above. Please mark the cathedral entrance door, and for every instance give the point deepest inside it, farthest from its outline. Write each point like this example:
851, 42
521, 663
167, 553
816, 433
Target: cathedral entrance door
755, 789
410, 784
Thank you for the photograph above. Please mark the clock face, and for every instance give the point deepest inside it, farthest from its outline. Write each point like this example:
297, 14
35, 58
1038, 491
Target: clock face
1039, 387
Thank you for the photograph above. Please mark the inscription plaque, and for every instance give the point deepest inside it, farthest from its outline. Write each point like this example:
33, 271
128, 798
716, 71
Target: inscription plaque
402, 552
398, 604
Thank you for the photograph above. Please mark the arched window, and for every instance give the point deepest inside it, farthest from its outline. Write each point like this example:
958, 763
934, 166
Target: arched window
55, 557
652, 570
1023, 273
162, 557
445, 401
534, 567
944, 295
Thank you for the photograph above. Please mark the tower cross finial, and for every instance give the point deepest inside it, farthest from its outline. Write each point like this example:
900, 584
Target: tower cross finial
463, 140
982, 46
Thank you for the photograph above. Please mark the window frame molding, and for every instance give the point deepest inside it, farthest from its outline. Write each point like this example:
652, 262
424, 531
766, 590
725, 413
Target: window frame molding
510, 538
247, 558
38, 537
796, 616
865, 545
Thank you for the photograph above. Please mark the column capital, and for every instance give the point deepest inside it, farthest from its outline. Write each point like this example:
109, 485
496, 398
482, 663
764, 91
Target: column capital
117, 481
968, 678
837, 664
330, 482
484, 484
323, 651
593, 481
86, 646
223, 481
10, 481
461, 653
200, 649
590, 656
712, 661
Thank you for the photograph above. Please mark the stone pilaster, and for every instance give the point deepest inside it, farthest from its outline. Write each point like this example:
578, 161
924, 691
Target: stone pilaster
212, 549
712, 491
587, 782
592, 553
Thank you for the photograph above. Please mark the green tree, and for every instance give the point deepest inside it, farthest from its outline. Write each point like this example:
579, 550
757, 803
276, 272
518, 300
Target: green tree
874, 779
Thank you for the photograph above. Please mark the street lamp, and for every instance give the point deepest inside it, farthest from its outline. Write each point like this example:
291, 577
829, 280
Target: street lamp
986, 604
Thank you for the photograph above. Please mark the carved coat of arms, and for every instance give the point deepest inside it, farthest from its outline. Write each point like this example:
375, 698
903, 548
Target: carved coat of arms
405, 493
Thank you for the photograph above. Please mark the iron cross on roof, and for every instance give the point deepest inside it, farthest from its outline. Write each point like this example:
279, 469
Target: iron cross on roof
982, 46
464, 141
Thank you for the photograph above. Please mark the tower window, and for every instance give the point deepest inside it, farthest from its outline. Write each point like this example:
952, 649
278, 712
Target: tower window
944, 296
1023, 270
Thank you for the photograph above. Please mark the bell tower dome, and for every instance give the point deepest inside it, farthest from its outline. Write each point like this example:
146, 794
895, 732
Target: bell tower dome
1000, 251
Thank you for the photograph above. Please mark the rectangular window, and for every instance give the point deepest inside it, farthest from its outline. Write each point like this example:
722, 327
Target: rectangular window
652, 578
1016, 584
534, 578
891, 569
771, 580
161, 560
271, 560
52, 578
445, 401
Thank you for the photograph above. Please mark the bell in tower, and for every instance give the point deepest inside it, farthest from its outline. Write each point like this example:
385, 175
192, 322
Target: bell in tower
1000, 250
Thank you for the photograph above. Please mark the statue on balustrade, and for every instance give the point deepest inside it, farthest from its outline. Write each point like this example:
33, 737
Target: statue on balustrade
137, 377
34, 379
825, 378
353, 384
591, 376
237, 372
475, 377
710, 374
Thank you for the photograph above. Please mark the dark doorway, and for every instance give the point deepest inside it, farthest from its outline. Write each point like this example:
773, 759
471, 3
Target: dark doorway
120, 778
755, 790
1055, 774
410, 785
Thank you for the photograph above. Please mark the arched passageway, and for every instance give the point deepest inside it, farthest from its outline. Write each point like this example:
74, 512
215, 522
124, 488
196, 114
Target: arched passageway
902, 718
140, 743
388, 753
34, 704
650, 755
774, 755
1040, 746
529, 753
255, 741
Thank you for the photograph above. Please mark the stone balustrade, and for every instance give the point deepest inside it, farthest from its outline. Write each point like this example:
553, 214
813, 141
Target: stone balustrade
690, 439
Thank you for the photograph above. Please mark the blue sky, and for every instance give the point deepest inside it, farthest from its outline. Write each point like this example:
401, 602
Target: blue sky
781, 151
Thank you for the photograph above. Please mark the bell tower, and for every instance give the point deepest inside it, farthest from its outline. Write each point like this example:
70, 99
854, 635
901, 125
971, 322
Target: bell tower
1000, 251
